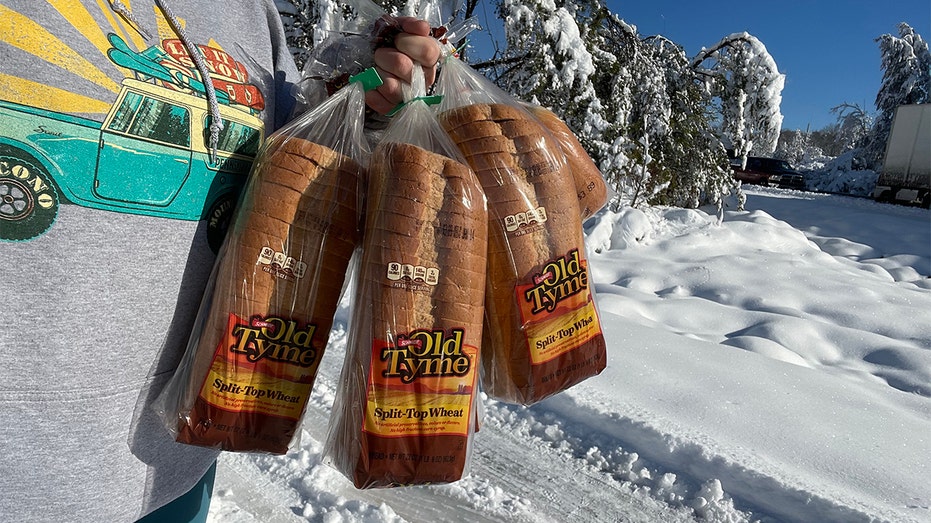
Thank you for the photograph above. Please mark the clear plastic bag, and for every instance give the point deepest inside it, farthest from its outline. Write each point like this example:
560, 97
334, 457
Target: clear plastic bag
542, 330
590, 186
407, 404
250, 364
344, 44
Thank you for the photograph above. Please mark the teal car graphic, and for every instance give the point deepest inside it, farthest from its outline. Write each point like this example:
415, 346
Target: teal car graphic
149, 156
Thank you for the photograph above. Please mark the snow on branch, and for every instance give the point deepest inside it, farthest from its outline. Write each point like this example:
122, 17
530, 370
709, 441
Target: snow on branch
743, 75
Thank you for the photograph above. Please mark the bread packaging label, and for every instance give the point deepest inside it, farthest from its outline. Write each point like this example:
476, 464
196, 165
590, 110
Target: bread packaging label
262, 365
432, 364
557, 309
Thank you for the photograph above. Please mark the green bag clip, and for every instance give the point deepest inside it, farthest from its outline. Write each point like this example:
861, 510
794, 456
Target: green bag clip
432, 99
368, 78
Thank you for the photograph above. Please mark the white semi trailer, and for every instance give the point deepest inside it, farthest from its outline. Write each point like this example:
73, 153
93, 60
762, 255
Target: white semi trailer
906, 173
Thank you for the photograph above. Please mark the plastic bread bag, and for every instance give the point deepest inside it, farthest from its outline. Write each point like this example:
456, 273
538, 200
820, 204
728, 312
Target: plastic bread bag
343, 45
345, 38
542, 330
406, 408
247, 373
590, 186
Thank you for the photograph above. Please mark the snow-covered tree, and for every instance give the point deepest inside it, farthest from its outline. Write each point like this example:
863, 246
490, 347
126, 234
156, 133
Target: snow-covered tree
299, 18
689, 158
853, 125
792, 146
633, 101
548, 60
742, 75
644, 110
640, 109
798, 148
906, 65
307, 23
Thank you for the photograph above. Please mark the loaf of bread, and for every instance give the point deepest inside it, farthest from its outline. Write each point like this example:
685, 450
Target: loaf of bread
406, 410
542, 333
277, 285
589, 182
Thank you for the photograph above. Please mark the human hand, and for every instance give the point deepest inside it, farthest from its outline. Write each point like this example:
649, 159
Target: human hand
413, 44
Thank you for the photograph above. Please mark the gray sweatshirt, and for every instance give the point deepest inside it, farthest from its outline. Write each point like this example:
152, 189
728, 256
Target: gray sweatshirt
113, 199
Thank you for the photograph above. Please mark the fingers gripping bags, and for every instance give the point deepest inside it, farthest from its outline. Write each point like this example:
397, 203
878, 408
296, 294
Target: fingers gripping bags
405, 412
250, 365
542, 332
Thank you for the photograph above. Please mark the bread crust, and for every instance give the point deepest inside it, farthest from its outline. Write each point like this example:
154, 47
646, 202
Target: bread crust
286, 260
590, 186
534, 221
422, 270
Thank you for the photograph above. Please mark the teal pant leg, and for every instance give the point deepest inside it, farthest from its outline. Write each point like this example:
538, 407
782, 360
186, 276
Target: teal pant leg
189, 508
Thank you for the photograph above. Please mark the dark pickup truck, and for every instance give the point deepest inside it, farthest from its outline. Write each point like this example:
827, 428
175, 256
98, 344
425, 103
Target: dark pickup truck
768, 172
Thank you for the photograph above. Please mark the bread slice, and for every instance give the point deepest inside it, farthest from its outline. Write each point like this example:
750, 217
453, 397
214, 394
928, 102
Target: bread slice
589, 182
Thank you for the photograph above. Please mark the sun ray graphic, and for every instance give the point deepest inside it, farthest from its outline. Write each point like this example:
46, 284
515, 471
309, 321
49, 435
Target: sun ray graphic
120, 26
21, 32
81, 19
50, 98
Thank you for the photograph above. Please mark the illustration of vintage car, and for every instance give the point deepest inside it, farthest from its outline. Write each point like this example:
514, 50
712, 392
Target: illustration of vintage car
149, 156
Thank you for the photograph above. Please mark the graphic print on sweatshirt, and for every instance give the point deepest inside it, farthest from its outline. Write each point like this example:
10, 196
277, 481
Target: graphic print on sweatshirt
140, 146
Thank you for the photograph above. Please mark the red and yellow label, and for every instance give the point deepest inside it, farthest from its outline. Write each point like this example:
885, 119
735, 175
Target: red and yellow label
423, 384
263, 365
557, 309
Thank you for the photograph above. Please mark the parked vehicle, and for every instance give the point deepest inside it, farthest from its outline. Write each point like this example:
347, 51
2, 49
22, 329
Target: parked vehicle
768, 172
149, 156
906, 172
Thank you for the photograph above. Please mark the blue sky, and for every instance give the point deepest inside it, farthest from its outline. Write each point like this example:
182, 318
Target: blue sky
825, 48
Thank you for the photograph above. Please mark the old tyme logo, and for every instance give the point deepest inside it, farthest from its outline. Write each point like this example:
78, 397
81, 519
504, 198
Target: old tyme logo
426, 353
558, 280
275, 339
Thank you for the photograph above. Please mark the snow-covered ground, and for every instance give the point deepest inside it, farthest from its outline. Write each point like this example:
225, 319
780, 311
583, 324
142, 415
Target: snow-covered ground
774, 366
